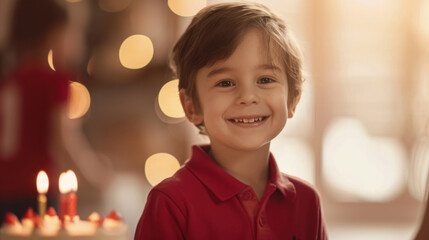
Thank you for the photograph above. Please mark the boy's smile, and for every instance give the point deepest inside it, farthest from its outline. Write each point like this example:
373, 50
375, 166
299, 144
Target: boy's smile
248, 121
243, 99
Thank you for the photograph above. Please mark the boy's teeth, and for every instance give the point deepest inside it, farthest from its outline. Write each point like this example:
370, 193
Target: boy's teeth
247, 120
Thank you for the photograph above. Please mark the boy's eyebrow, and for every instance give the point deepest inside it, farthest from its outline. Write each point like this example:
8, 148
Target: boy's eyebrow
270, 67
218, 71
227, 69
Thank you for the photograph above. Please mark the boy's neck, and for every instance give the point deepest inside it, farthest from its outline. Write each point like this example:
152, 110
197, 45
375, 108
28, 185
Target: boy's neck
249, 167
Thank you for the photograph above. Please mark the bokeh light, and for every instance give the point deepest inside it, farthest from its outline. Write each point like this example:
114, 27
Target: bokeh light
159, 167
113, 5
136, 51
169, 100
294, 157
51, 59
164, 118
359, 167
79, 100
186, 8
90, 66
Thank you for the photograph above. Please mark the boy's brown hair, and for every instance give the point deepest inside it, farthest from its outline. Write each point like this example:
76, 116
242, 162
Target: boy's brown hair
215, 33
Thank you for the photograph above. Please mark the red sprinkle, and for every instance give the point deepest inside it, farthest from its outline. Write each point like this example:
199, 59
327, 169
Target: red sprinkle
10, 218
29, 214
113, 215
51, 212
95, 217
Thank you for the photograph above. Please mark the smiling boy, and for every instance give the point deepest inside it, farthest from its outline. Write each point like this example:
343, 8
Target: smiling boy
240, 80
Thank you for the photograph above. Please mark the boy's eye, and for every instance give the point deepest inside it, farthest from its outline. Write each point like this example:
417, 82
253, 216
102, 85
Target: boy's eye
225, 83
265, 80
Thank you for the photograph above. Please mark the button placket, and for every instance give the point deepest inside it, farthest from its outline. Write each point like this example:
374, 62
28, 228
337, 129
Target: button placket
262, 221
247, 195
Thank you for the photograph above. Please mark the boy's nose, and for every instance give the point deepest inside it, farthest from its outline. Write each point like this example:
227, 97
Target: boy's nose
247, 95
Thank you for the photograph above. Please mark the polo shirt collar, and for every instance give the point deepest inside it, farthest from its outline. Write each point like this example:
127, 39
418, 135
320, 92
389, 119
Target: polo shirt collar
281, 181
225, 186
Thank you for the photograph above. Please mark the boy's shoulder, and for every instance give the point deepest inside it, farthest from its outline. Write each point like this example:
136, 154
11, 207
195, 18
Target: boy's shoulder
178, 178
178, 184
303, 189
299, 182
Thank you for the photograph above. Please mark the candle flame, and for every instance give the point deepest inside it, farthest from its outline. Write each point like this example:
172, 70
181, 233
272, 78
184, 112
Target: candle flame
42, 182
72, 180
64, 183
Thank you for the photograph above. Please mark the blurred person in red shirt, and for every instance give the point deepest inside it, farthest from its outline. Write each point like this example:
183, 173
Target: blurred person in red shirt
34, 127
32, 100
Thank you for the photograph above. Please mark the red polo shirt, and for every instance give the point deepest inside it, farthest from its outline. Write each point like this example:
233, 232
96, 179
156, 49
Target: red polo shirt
202, 201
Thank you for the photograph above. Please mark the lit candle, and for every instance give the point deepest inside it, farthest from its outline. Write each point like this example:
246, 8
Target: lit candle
64, 186
72, 197
42, 189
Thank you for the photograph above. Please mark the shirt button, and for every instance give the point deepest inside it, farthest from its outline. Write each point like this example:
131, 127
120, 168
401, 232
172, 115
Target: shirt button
247, 195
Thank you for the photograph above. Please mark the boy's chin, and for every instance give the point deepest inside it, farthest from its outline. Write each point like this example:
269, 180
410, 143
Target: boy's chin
251, 147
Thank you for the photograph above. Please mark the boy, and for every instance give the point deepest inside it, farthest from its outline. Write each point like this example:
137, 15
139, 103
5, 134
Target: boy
240, 79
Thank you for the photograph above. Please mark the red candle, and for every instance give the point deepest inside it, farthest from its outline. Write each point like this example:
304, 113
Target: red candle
63, 206
64, 186
72, 197
72, 201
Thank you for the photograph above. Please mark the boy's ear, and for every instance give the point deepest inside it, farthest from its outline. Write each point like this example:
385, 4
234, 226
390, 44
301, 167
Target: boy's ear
291, 111
291, 108
189, 107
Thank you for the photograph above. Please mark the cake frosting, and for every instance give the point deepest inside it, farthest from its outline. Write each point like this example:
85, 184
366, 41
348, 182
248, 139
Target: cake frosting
13, 226
114, 224
96, 218
51, 224
28, 221
51, 228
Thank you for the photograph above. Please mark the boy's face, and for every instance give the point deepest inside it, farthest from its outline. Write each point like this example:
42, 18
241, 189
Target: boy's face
243, 99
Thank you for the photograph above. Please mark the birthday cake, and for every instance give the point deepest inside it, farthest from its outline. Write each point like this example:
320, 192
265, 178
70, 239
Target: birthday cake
52, 228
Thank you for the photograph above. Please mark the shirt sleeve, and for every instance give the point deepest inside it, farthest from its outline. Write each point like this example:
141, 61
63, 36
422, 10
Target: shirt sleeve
161, 219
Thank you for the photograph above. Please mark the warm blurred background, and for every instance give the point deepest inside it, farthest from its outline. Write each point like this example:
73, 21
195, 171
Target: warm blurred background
360, 134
